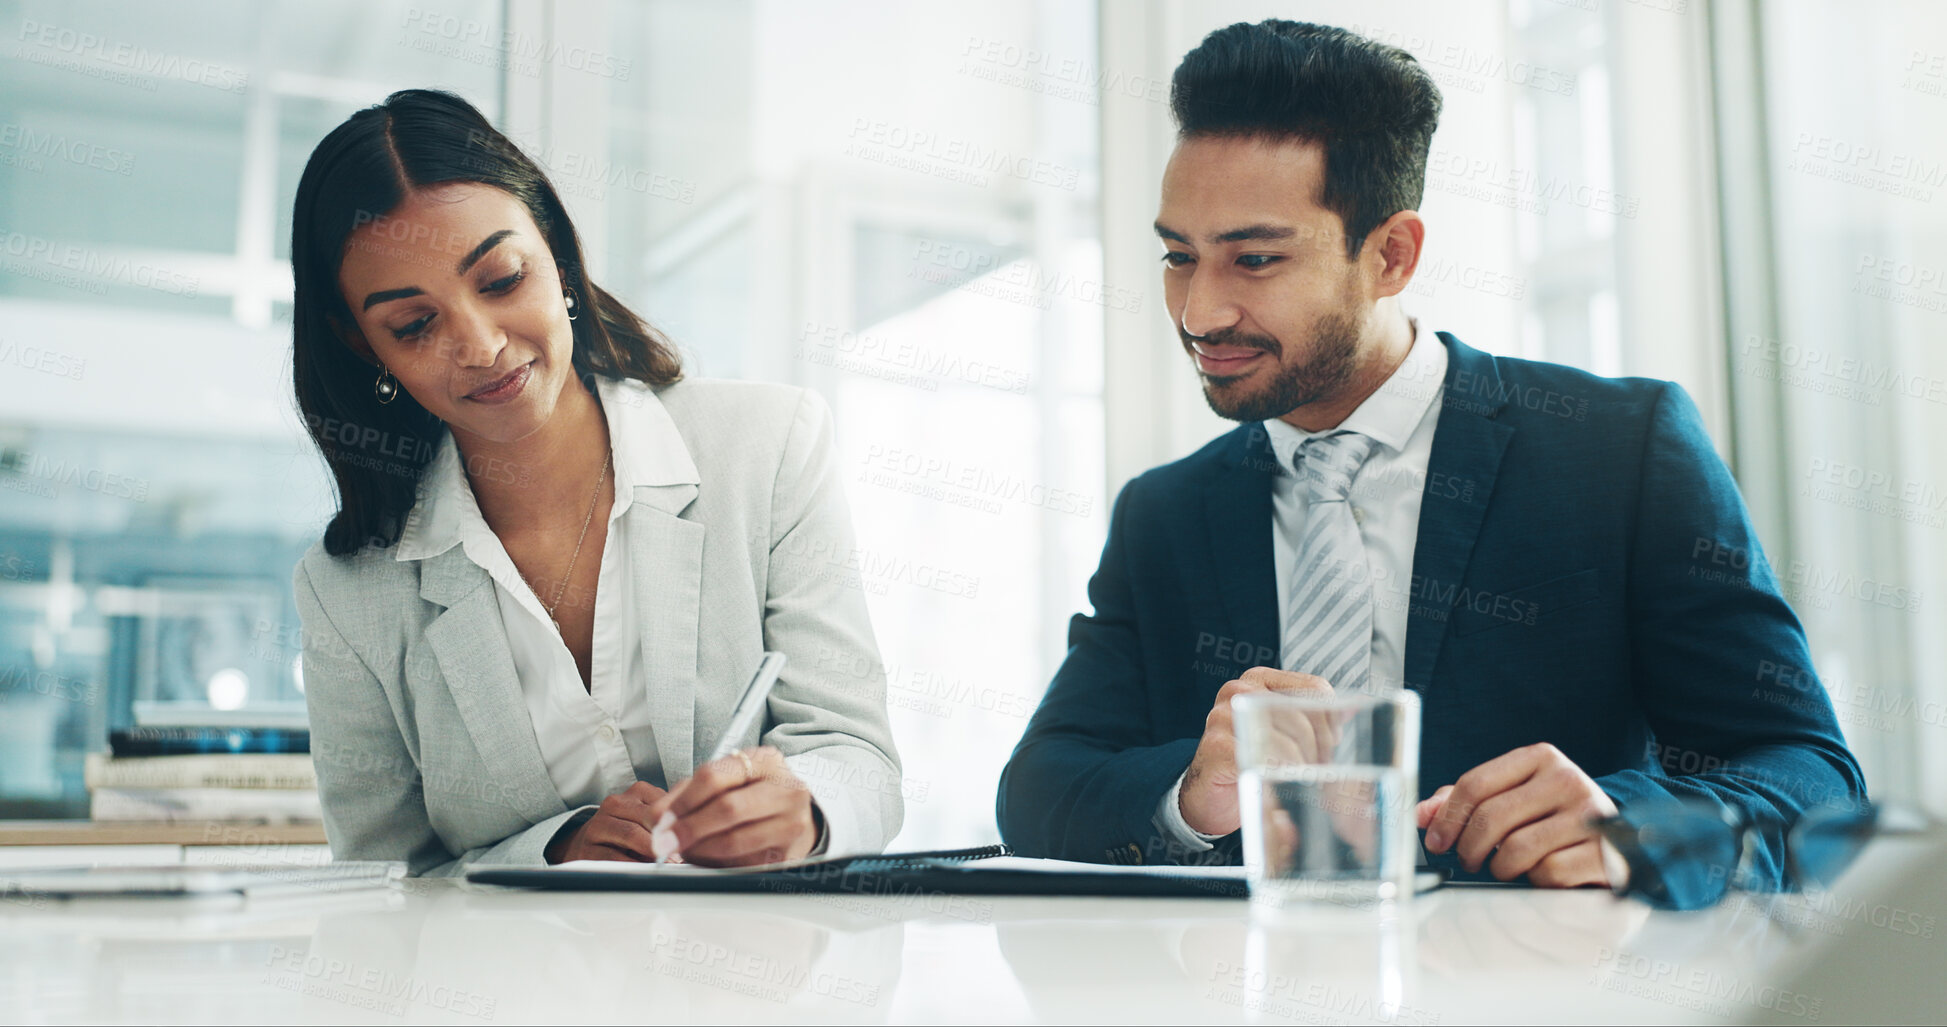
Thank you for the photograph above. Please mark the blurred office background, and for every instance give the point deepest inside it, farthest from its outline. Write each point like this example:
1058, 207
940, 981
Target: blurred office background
937, 214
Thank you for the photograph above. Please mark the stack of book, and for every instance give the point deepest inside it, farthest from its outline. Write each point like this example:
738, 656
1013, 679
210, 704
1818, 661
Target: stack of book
172, 774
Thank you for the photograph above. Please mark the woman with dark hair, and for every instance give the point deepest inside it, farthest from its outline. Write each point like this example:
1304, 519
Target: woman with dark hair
555, 564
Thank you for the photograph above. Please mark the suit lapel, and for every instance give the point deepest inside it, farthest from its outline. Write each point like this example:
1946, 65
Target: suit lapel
666, 553
1237, 532
470, 643
1468, 444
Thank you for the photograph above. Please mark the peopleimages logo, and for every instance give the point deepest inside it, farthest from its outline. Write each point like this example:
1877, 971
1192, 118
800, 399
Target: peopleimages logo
60, 472
89, 269
983, 481
44, 360
1670, 981
448, 35
58, 146
141, 60
898, 146
872, 354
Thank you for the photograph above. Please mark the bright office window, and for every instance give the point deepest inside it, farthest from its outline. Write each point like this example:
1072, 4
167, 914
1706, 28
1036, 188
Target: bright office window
155, 488
896, 206
1836, 353
892, 204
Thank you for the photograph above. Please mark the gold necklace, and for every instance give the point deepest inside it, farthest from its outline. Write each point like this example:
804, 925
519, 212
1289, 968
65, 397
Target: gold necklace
570, 572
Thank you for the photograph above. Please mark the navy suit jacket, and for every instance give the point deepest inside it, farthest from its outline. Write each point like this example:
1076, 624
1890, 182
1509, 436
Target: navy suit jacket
1585, 575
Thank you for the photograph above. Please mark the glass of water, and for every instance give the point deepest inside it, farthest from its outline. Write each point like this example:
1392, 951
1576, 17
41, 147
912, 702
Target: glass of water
1327, 786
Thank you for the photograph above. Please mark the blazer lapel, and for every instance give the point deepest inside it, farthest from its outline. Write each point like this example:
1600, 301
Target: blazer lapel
470, 644
666, 561
1237, 532
666, 553
1467, 447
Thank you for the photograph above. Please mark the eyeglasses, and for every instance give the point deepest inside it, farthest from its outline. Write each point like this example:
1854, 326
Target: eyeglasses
1689, 854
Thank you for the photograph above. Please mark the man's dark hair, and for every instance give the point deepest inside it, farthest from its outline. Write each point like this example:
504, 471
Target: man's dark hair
1372, 107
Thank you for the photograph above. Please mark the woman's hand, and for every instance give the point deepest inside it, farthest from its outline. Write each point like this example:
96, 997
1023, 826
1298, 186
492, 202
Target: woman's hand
744, 809
618, 830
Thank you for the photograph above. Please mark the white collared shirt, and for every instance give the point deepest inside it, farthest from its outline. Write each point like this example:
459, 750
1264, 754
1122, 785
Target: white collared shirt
1400, 418
596, 740
1385, 495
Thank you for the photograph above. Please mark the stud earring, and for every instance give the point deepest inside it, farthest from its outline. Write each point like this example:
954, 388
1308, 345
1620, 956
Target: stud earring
570, 297
387, 387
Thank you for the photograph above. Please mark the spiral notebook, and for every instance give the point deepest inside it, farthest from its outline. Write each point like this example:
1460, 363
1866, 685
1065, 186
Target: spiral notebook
986, 870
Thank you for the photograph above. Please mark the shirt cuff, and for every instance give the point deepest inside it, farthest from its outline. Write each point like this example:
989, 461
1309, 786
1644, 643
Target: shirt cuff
1169, 821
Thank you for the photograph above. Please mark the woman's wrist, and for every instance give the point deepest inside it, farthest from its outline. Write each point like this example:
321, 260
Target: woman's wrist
564, 837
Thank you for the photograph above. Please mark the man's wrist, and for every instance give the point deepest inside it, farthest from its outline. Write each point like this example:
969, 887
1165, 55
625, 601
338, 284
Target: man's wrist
1169, 820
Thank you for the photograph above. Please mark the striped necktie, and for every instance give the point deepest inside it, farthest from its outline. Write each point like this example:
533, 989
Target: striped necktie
1328, 629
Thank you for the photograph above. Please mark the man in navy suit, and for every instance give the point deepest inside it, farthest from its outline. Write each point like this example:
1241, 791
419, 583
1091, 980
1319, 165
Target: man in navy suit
1558, 564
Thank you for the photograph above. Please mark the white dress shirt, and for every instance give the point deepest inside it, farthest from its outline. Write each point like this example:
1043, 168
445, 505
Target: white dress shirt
1400, 418
596, 740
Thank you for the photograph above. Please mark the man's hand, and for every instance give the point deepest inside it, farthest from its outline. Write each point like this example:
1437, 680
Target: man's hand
619, 829
1530, 811
737, 813
1208, 799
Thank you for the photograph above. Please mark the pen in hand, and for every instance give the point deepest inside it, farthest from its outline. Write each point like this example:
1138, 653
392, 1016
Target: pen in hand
662, 840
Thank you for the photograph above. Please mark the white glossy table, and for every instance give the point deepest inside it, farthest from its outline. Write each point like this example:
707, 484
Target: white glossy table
450, 953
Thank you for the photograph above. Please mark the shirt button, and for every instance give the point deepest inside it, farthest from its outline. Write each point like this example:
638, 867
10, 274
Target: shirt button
1358, 515
607, 731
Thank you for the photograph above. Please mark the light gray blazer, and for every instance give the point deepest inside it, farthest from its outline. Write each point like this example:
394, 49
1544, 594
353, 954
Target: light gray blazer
424, 748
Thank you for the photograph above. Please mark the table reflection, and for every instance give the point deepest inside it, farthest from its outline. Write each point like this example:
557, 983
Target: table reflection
443, 952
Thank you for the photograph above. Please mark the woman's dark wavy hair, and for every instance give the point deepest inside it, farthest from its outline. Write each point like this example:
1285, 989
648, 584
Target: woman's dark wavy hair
362, 171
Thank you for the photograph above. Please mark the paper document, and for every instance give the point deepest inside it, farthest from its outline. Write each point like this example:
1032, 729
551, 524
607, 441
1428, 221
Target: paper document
1062, 866
617, 866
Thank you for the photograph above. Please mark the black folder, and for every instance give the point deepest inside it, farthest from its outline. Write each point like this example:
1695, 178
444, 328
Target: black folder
951, 871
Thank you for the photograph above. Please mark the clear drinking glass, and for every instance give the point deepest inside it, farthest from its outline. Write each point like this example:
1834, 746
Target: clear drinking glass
1327, 786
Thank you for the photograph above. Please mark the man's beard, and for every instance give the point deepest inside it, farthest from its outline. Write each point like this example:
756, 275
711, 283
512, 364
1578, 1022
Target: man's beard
1334, 360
